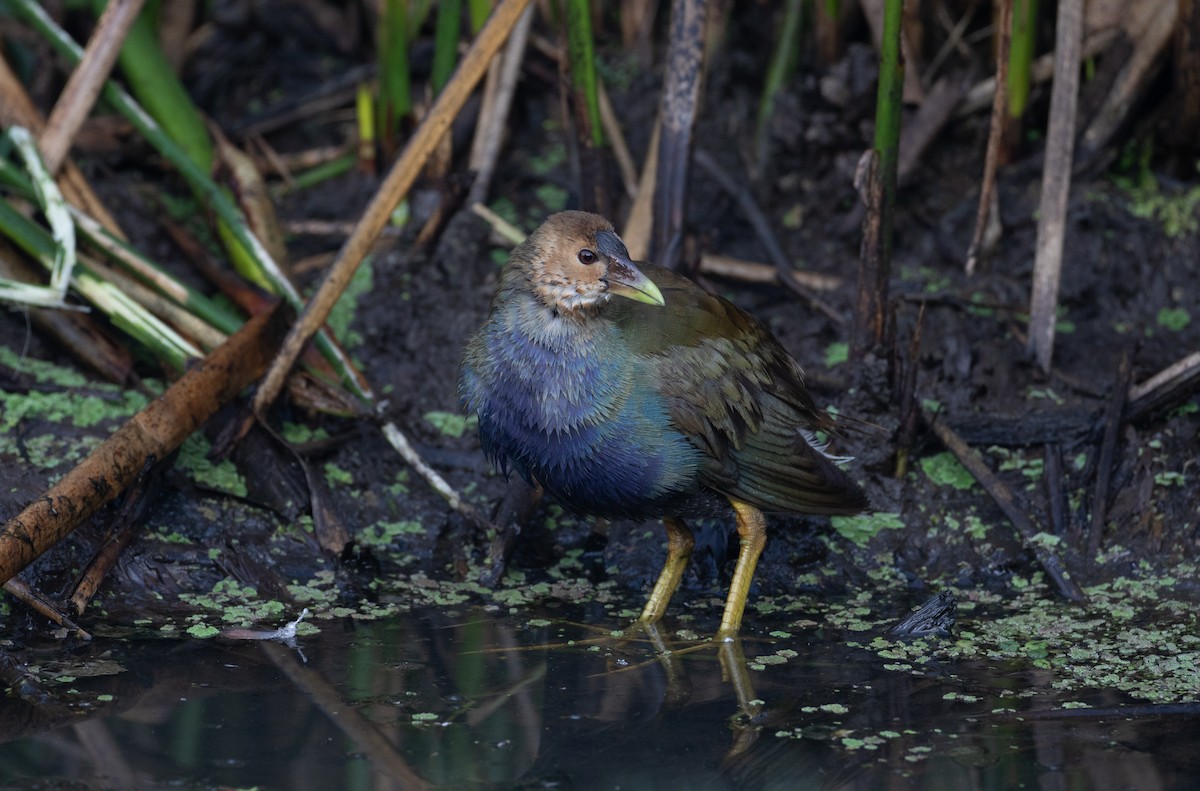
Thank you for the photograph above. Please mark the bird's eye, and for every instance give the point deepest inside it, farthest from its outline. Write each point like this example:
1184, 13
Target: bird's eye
586, 256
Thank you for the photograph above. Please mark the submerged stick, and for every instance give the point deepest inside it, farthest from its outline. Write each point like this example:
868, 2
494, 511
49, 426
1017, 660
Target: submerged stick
152, 433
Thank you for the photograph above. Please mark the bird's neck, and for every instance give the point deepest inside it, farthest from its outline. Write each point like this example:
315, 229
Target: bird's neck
563, 331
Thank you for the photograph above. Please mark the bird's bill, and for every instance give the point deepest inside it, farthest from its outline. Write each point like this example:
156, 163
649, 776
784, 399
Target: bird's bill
626, 280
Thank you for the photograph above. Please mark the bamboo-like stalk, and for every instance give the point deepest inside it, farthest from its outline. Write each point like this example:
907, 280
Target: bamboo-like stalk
888, 110
445, 48
395, 92
1020, 55
582, 50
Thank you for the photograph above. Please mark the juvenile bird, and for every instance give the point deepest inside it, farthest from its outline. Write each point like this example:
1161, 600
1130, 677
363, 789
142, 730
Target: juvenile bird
667, 402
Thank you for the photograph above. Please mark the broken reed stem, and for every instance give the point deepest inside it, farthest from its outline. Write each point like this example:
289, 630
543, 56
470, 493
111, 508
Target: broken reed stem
876, 180
995, 134
680, 105
491, 128
152, 433
1056, 183
397, 184
126, 524
17, 109
1004, 497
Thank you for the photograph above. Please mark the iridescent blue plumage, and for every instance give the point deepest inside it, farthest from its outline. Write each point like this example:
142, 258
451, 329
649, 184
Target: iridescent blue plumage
661, 403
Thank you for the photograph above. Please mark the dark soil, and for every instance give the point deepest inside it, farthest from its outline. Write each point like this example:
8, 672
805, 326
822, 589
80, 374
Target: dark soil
1122, 271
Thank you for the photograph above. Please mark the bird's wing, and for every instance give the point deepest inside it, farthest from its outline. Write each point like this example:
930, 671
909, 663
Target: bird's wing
739, 397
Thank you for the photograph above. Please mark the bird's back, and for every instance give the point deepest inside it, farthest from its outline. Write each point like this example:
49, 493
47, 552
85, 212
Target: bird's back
735, 393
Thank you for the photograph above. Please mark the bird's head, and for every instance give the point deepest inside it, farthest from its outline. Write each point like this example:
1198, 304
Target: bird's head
575, 260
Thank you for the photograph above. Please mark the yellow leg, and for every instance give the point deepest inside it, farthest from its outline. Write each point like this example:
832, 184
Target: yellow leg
679, 549
752, 529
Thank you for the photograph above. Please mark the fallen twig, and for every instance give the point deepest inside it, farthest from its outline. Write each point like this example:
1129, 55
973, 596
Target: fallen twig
127, 522
1004, 497
1167, 387
33, 599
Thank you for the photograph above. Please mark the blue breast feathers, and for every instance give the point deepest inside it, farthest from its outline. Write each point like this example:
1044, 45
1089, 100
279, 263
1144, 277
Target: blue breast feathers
577, 420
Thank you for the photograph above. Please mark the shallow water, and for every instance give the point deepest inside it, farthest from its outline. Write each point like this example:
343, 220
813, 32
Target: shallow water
485, 700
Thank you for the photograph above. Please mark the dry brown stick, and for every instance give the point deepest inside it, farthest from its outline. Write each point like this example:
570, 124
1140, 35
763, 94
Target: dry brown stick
920, 132
77, 98
995, 133
399, 180
757, 272
490, 132
1056, 183
18, 589
1004, 497
1167, 387
868, 328
1108, 448
349, 719
154, 432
